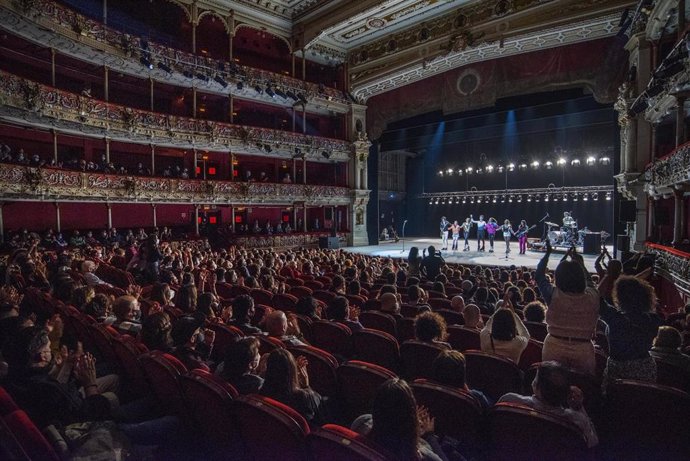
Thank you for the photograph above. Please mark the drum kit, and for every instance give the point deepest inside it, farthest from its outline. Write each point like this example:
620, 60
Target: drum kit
565, 235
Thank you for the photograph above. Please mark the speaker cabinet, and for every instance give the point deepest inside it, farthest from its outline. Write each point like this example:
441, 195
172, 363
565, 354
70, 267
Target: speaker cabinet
332, 243
592, 244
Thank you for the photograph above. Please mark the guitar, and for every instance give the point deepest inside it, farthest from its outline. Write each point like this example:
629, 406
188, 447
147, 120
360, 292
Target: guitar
524, 232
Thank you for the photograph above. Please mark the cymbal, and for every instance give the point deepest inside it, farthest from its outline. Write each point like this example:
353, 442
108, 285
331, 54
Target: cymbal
551, 224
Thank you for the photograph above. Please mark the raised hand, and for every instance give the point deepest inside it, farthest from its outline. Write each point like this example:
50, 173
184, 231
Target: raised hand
426, 421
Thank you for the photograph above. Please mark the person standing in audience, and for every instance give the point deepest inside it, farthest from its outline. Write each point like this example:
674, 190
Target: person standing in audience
432, 263
632, 327
553, 394
414, 262
572, 314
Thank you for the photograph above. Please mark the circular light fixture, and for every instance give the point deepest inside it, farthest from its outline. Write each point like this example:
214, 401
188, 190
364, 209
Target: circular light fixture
562, 161
591, 161
604, 160
575, 162
489, 168
469, 170
449, 171
535, 165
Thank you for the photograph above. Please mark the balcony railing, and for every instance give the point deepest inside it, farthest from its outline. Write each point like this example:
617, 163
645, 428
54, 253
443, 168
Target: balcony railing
64, 19
672, 264
671, 170
19, 182
35, 102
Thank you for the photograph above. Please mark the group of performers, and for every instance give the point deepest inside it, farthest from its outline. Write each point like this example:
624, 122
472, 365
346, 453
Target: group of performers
484, 228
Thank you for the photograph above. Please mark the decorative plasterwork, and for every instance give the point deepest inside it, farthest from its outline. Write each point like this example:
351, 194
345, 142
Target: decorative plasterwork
27, 183
672, 265
286, 9
544, 39
47, 107
662, 19
668, 173
53, 26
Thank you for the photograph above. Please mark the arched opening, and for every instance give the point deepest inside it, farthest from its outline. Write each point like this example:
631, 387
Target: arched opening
261, 49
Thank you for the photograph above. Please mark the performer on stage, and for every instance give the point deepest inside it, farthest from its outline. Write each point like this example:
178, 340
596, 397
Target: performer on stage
444, 233
466, 227
508, 232
522, 236
481, 228
491, 227
455, 230
567, 219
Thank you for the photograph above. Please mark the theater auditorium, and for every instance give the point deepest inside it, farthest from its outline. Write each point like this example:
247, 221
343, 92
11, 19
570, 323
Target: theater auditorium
367, 230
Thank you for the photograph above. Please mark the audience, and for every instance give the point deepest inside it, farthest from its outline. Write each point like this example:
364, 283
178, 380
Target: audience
449, 369
505, 334
430, 327
241, 364
666, 347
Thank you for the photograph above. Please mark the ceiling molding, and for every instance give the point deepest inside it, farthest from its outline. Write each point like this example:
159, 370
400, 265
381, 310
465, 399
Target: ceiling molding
567, 34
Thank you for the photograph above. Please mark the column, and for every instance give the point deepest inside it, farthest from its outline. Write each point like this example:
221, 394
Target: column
196, 163
105, 12
304, 169
153, 160
232, 170
683, 216
304, 218
293, 65
294, 118
681, 19
294, 170
107, 150
232, 217
153, 213
678, 216
55, 145
294, 218
57, 217
304, 64
232, 108
680, 119
304, 118
52, 66
193, 102
106, 90
196, 219
651, 234
110, 215
2, 224
151, 92
629, 165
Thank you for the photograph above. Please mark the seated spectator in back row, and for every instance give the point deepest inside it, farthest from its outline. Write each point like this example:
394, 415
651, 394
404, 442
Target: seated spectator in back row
309, 307
553, 394
449, 370
339, 310
666, 347
473, 319
88, 269
240, 366
242, 314
430, 327
279, 326
535, 312
193, 343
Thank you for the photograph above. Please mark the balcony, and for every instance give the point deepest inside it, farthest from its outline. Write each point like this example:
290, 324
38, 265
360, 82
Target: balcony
46, 22
672, 264
29, 103
19, 182
669, 172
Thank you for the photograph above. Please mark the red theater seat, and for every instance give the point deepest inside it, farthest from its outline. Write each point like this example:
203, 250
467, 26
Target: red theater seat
463, 339
358, 382
377, 347
163, 372
337, 443
332, 337
417, 358
321, 368
492, 374
379, 321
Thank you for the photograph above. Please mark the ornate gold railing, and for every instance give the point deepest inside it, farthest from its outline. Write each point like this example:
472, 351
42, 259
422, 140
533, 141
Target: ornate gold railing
19, 182
284, 240
671, 170
672, 264
132, 125
64, 20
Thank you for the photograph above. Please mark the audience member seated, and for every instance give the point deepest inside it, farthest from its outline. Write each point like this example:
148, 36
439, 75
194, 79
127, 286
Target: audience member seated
473, 318
535, 312
457, 304
632, 326
390, 304
287, 381
572, 314
309, 307
666, 347
339, 310
417, 296
552, 393
430, 327
449, 369
156, 332
88, 269
505, 334
128, 315
192, 343
241, 365
481, 300
399, 425
280, 326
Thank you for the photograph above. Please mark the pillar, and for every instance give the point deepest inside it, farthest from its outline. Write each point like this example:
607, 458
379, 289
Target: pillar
58, 226
106, 91
105, 12
52, 66
232, 218
151, 93
304, 64
153, 213
193, 102
651, 234
196, 163
293, 65
680, 119
678, 215
2, 225
110, 215
107, 150
232, 173
196, 219
304, 118
681, 19
304, 170
294, 170
232, 108
55, 145
304, 219
294, 218
153, 160
294, 118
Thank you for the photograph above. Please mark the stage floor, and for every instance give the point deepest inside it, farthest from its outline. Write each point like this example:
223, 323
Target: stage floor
498, 258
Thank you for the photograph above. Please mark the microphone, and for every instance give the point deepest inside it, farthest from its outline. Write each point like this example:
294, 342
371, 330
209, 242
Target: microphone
548, 215
405, 222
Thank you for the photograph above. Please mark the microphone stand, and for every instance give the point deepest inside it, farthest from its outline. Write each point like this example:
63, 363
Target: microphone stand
403, 237
545, 233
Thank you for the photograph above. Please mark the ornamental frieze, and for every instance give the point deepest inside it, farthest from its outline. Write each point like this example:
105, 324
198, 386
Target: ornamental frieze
672, 266
674, 169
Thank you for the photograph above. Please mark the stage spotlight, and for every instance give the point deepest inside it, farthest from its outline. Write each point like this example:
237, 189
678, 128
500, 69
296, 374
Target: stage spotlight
575, 197
449, 171
489, 168
503, 199
529, 198
162, 66
604, 159
146, 63
519, 199
436, 201
431, 202
220, 80
608, 196
457, 200
472, 200
585, 197
546, 198
510, 199
459, 171
511, 167
575, 162
537, 198
479, 200
548, 164
464, 200
469, 170
440, 172
495, 199
562, 161
500, 168
591, 160
522, 166
535, 165
595, 196
479, 171
270, 92
258, 89
565, 197
443, 201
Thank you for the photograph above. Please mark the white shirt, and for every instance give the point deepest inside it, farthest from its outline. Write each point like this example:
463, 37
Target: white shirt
511, 349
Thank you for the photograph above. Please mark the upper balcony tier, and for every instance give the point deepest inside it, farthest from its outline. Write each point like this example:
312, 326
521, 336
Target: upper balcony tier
52, 25
19, 182
28, 102
669, 173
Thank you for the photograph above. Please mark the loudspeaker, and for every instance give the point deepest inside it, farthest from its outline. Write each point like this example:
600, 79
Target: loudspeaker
627, 211
622, 244
332, 243
592, 244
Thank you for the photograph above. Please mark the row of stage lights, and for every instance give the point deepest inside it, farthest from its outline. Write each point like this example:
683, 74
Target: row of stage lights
518, 198
535, 165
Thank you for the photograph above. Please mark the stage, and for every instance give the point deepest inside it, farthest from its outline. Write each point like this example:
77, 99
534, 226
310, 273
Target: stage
395, 250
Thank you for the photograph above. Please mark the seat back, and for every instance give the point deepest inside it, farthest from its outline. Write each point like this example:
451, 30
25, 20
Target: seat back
451, 317
520, 433
531, 354
321, 369
337, 443
492, 374
670, 374
458, 414
463, 339
378, 321
356, 300
268, 344
127, 353
537, 330
646, 421
237, 290
357, 384
409, 310
29, 437
7, 404
439, 301
324, 295
225, 335
103, 341
270, 430
377, 347
209, 400
304, 324
372, 304
162, 372
313, 284
301, 291
405, 329
261, 296
417, 358
285, 302
333, 337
